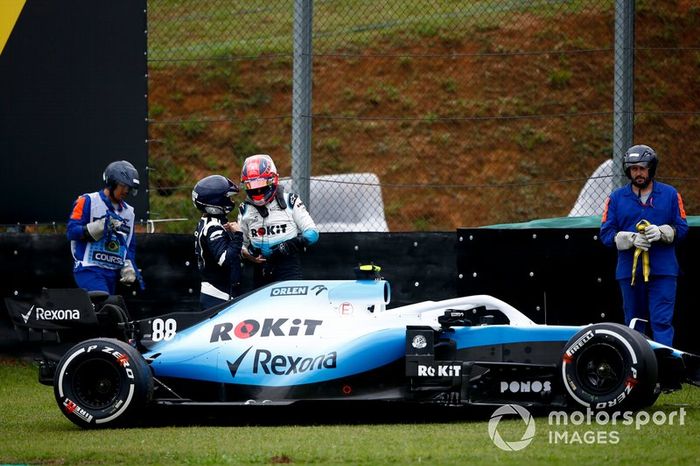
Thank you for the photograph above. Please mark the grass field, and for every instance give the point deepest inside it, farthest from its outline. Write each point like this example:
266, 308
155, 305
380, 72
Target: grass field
35, 432
266, 26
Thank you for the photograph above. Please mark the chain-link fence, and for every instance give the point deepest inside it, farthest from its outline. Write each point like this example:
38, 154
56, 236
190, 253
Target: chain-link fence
418, 114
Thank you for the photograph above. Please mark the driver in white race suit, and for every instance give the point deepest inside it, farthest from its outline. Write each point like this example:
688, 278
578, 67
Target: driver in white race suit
101, 232
276, 225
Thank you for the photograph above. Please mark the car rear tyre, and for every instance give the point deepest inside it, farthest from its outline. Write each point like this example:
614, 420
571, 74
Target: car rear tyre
102, 383
609, 367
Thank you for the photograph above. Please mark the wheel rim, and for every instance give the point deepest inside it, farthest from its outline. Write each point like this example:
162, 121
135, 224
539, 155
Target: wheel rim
600, 368
96, 384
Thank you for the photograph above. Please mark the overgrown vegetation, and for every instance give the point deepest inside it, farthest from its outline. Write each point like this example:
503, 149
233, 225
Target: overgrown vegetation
427, 100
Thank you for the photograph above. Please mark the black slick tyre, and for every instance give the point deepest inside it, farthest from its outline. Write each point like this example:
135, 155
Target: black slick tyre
102, 383
609, 367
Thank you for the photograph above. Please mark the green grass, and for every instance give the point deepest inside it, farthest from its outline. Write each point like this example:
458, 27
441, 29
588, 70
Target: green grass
560, 79
193, 128
254, 27
34, 431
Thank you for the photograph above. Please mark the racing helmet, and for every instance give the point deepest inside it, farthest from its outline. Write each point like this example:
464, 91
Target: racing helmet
212, 195
641, 155
259, 179
121, 172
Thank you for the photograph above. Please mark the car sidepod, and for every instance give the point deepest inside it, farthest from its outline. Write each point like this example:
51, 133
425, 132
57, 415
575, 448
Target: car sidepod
487, 365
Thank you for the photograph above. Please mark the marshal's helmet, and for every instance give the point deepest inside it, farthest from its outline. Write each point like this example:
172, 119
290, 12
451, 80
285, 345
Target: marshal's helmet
121, 172
641, 155
259, 179
212, 195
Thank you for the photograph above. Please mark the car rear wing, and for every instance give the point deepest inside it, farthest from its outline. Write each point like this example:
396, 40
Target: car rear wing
53, 309
67, 314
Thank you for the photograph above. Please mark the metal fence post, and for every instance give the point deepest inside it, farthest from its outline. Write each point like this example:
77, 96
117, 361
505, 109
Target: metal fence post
301, 100
623, 99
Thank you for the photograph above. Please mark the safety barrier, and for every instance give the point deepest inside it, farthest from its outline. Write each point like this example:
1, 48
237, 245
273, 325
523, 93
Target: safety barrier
553, 275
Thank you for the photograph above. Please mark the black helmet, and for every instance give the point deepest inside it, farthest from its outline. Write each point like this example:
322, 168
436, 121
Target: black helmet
121, 172
212, 195
640, 155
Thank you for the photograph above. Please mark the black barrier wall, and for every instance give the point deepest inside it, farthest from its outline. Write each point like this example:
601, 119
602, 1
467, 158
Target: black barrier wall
555, 276
72, 99
565, 276
418, 265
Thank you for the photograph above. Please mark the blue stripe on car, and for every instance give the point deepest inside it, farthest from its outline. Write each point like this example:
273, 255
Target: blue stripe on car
469, 337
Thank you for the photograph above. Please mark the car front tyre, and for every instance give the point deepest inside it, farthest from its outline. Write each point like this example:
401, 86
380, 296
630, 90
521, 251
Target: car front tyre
609, 367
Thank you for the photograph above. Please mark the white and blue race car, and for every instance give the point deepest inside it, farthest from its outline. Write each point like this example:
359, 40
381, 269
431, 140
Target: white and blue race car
312, 341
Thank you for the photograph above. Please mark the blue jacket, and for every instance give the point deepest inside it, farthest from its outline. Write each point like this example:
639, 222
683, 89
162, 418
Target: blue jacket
623, 210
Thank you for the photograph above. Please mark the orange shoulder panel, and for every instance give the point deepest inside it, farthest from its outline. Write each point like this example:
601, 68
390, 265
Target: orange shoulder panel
77, 213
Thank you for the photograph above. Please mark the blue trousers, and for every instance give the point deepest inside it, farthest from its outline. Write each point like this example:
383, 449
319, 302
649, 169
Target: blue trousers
653, 301
96, 279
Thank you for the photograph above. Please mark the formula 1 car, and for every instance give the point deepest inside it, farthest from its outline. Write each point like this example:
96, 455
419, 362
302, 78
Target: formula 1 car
309, 341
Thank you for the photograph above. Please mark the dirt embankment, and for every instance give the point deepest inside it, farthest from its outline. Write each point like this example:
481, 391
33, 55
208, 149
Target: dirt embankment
497, 124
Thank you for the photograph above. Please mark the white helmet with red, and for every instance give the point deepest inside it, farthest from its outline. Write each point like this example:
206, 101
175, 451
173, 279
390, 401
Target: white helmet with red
259, 178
